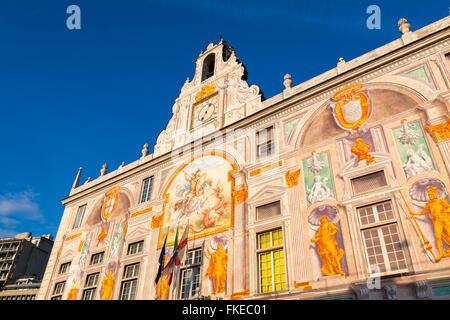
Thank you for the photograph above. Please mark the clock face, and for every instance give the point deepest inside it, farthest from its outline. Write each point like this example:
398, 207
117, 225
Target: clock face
206, 112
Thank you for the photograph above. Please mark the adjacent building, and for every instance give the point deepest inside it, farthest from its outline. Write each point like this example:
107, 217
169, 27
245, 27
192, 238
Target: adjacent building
310, 194
23, 260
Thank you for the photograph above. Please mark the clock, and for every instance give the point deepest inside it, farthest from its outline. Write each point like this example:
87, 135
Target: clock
204, 112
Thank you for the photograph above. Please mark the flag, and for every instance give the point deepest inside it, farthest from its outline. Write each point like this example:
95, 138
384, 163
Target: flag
182, 246
161, 261
176, 242
178, 253
168, 269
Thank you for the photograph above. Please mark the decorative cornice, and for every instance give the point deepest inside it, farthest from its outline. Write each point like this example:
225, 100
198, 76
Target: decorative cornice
138, 213
156, 221
240, 195
441, 131
240, 294
292, 178
73, 236
266, 168
314, 90
304, 285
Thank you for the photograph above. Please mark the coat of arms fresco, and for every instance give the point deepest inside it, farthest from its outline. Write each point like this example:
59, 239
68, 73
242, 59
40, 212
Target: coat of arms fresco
351, 107
199, 196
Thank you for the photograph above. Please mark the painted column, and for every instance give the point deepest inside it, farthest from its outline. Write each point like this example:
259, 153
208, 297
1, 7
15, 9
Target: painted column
441, 134
298, 254
240, 263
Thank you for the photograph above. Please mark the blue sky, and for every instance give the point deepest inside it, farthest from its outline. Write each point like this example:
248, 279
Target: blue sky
80, 98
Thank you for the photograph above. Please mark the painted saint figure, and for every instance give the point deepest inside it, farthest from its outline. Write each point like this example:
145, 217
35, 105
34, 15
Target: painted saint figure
440, 216
73, 292
108, 285
217, 269
329, 252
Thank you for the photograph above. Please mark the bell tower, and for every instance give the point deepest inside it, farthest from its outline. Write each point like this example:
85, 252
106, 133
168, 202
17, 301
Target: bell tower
217, 96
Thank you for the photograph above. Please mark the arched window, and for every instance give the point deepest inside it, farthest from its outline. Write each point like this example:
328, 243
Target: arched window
208, 66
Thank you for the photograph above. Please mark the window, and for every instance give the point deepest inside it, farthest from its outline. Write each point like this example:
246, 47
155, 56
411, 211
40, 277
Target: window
97, 258
264, 143
369, 182
135, 247
208, 66
190, 274
146, 189
79, 217
59, 289
56, 298
90, 286
129, 283
381, 237
268, 210
272, 274
64, 267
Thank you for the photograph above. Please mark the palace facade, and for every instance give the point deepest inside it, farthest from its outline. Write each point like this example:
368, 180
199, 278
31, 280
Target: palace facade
336, 188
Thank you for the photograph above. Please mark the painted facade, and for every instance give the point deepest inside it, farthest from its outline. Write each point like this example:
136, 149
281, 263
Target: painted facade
315, 193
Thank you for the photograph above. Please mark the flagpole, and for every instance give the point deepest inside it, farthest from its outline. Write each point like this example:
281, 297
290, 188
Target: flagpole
176, 273
192, 272
427, 244
201, 267
178, 267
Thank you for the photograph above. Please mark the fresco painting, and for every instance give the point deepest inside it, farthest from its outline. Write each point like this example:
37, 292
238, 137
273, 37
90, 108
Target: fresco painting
199, 197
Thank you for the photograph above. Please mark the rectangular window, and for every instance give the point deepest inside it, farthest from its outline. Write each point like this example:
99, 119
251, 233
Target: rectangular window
146, 189
59, 288
272, 274
268, 210
79, 217
381, 239
264, 143
369, 182
135, 247
56, 298
90, 287
129, 283
190, 274
97, 258
64, 267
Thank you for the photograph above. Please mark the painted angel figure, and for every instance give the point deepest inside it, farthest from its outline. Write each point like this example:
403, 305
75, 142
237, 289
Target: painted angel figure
417, 162
319, 190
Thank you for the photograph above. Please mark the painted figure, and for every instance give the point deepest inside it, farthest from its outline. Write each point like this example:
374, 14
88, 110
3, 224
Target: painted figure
440, 216
102, 235
73, 292
361, 150
418, 162
319, 190
107, 286
194, 181
327, 248
217, 269
210, 215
